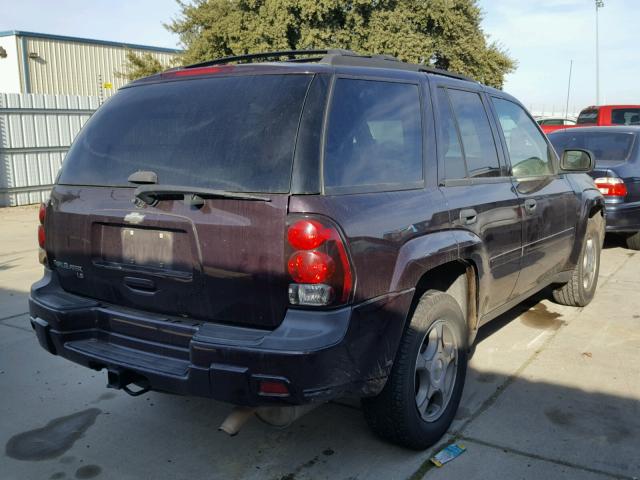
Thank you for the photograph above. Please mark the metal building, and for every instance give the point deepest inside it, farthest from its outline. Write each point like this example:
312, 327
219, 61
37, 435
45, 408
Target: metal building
53, 64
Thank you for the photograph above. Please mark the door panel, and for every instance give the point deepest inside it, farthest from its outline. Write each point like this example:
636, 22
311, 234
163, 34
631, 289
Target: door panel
498, 224
548, 207
547, 202
481, 199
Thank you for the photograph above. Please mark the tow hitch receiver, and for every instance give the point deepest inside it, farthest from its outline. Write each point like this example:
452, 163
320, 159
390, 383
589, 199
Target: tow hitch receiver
121, 379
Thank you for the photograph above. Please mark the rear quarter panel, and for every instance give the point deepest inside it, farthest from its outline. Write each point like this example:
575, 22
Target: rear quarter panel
393, 237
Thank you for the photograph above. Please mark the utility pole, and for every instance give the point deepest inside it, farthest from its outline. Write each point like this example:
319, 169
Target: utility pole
566, 108
599, 5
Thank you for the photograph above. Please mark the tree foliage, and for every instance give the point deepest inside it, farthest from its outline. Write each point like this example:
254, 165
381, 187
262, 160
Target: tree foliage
142, 65
442, 33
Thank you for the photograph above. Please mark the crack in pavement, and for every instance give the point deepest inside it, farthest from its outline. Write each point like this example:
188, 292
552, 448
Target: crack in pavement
534, 456
13, 316
24, 329
10, 317
18, 252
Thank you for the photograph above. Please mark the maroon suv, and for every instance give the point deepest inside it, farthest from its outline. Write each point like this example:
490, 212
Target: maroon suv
283, 233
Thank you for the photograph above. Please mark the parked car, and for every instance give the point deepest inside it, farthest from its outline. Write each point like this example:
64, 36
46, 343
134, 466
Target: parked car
551, 124
280, 234
607, 115
616, 151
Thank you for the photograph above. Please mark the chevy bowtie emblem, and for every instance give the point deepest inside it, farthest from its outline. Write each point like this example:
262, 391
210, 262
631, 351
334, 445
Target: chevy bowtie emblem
134, 218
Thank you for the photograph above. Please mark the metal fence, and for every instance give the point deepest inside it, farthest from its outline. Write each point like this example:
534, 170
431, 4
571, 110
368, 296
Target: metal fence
35, 133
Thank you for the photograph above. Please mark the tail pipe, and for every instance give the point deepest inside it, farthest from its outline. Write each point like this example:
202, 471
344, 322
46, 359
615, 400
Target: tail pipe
278, 416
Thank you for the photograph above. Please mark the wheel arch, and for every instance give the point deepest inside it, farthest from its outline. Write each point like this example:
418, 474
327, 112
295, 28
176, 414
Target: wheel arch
592, 204
457, 278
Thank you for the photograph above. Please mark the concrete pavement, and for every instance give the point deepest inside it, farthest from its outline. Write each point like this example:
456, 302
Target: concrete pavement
552, 393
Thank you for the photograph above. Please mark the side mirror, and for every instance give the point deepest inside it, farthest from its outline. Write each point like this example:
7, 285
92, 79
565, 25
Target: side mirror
576, 161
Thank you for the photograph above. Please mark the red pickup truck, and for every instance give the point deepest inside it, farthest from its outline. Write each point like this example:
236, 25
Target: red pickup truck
600, 116
606, 115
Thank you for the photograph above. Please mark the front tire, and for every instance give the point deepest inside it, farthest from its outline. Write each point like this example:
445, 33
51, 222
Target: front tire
580, 290
422, 394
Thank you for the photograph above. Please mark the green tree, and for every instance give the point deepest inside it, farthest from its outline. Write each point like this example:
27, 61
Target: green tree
142, 65
442, 33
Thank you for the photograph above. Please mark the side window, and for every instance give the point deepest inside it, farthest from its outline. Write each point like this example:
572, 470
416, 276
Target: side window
477, 140
450, 148
375, 134
529, 152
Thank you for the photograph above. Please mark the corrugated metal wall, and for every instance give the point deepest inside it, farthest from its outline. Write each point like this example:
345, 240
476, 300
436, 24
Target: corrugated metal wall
63, 67
35, 134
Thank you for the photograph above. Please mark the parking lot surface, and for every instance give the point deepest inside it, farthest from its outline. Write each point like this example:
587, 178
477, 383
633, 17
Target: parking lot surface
552, 392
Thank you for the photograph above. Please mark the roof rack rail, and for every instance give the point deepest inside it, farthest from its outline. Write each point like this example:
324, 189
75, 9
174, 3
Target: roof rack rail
445, 73
292, 54
388, 61
333, 57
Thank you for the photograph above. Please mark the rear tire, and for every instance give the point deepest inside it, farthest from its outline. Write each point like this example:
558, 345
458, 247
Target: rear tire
422, 394
580, 290
633, 241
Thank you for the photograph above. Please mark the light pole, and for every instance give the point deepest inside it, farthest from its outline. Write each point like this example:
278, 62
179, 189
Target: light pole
599, 5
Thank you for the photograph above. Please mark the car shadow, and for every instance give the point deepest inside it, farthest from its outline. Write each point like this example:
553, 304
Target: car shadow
614, 240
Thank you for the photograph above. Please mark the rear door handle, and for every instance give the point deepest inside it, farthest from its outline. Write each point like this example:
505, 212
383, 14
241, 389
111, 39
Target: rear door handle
530, 205
468, 216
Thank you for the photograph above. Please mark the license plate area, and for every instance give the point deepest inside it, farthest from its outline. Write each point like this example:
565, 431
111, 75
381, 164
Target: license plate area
147, 248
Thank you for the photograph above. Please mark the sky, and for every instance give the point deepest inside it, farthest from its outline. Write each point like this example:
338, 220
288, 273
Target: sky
542, 35
545, 35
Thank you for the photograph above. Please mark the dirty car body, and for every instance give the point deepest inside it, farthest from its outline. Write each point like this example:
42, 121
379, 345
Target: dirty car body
253, 263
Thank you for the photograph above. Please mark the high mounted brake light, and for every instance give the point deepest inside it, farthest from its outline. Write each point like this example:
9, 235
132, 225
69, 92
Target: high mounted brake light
611, 186
318, 263
192, 72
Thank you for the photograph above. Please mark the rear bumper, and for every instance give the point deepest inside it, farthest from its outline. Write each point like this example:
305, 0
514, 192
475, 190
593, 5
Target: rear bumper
319, 355
623, 217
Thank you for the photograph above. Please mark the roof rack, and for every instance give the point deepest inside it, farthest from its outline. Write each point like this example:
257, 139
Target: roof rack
333, 57
291, 54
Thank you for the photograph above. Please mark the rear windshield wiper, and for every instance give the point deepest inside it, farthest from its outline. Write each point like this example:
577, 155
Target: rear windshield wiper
150, 194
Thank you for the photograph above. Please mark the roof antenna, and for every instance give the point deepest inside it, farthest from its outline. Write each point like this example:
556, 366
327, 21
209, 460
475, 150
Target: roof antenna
566, 108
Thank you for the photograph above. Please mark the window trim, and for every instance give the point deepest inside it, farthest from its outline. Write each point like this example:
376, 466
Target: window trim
460, 142
458, 182
379, 187
554, 156
502, 165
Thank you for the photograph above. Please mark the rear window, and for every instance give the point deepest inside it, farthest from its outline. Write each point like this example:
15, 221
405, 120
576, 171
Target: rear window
229, 133
375, 135
605, 146
625, 116
588, 116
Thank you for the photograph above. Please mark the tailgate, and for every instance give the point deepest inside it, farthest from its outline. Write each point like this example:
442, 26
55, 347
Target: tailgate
223, 262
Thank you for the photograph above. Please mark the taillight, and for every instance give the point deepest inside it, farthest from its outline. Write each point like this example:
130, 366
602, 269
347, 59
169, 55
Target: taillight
42, 237
318, 263
42, 213
273, 388
310, 266
611, 186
